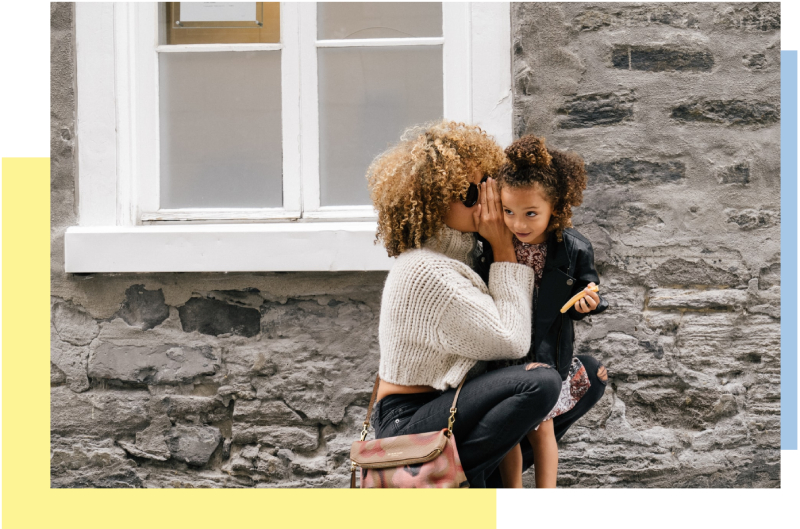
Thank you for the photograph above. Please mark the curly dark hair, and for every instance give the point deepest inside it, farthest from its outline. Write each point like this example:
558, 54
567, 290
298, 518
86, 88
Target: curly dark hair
413, 183
560, 175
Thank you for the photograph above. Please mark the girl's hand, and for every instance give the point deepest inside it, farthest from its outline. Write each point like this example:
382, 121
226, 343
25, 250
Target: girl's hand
589, 302
489, 221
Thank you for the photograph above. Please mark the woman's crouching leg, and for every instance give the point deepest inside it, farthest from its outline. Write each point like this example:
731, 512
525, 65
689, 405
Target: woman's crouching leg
598, 379
528, 396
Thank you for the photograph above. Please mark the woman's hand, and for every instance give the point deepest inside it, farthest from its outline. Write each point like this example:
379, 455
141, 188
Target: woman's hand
489, 221
589, 302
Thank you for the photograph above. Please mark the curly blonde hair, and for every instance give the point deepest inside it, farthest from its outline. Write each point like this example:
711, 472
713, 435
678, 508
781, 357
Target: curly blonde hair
561, 176
413, 183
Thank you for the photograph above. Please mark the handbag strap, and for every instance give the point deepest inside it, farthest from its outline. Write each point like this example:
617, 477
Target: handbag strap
450, 421
369, 408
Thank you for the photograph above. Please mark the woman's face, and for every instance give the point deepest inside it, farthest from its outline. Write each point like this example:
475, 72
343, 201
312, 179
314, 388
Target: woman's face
460, 217
526, 212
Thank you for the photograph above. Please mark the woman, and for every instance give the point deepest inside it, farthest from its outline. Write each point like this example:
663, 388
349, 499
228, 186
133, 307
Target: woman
439, 321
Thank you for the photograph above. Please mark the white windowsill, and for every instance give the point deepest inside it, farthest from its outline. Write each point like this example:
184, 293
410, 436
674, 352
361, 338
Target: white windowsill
278, 247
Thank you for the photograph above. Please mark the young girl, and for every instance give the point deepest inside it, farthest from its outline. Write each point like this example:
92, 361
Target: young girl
538, 188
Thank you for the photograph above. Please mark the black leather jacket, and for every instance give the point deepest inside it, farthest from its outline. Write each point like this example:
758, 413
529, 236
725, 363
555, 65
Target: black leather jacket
568, 268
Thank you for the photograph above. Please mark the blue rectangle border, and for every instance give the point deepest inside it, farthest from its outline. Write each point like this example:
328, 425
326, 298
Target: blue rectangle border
788, 250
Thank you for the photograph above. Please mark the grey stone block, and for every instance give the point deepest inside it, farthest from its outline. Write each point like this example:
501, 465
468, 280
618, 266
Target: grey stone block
246, 297
664, 402
628, 217
257, 412
755, 61
136, 452
625, 355
291, 437
81, 462
213, 317
597, 109
769, 276
727, 112
627, 171
98, 413
677, 271
161, 364
271, 466
193, 444
242, 391
152, 440
57, 376
758, 17
309, 467
735, 174
679, 299
73, 324
661, 59
751, 219
70, 362
597, 18
196, 409
744, 340
143, 308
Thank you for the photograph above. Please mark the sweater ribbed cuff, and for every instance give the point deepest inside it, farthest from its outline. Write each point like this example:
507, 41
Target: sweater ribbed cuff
508, 278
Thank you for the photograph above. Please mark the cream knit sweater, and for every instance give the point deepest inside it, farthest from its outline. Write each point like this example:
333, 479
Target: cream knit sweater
438, 318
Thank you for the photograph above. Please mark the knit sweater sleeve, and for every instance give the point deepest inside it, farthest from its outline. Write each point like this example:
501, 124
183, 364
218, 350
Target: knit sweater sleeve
490, 326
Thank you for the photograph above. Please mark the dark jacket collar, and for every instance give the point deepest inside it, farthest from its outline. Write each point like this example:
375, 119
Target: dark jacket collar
557, 254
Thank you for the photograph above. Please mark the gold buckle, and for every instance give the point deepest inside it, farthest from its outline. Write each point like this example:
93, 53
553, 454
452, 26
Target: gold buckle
364, 431
451, 420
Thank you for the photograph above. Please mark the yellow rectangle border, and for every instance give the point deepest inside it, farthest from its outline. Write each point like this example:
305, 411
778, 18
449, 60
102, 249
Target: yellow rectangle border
28, 500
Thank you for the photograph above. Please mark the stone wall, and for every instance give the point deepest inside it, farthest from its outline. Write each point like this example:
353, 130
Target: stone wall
242, 380
675, 109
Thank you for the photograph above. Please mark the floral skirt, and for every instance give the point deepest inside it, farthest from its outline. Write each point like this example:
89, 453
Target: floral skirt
572, 389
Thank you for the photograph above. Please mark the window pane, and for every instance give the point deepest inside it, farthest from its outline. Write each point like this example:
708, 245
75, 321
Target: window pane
375, 20
220, 117
367, 97
220, 22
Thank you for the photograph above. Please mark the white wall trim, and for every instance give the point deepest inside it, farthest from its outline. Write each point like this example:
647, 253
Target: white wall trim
356, 43
220, 215
456, 61
125, 83
96, 114
309, 106
184, 48
492, 100
145, 101
305, 247
291, 106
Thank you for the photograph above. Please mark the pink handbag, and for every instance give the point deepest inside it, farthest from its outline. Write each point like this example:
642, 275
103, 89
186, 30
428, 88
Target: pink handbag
424, 460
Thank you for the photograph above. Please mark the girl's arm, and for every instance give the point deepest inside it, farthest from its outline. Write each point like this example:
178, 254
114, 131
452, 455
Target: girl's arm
586, 273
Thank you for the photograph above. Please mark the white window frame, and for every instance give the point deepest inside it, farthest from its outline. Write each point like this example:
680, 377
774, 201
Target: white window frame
122, 228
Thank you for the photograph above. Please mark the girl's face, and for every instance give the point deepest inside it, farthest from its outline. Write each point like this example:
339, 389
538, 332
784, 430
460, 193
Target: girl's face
526, 212
460, 217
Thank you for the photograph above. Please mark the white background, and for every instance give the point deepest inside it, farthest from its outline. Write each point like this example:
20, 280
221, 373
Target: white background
25, 132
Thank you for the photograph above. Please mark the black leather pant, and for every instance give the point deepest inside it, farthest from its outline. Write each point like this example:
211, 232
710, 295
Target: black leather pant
495, 412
